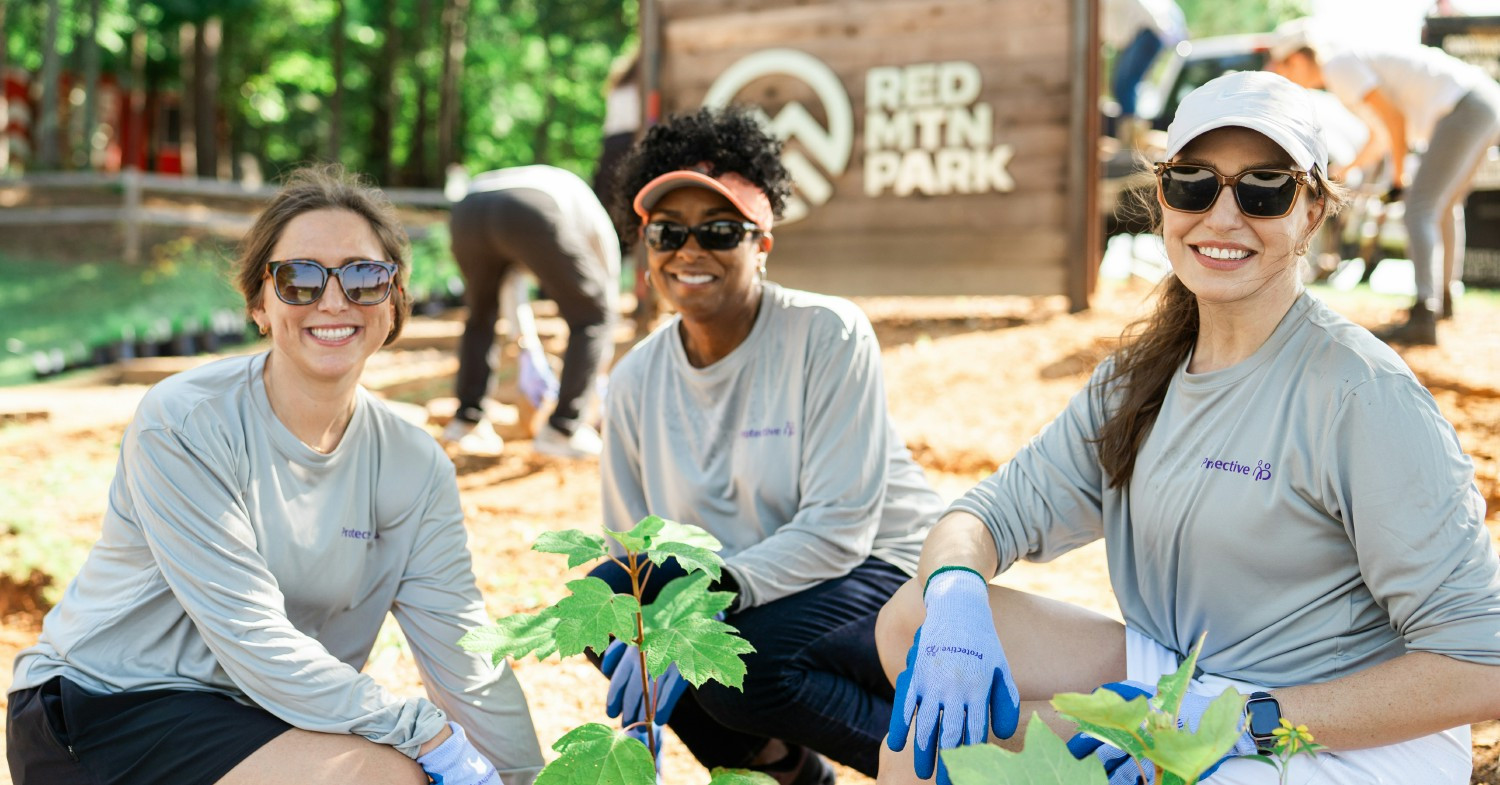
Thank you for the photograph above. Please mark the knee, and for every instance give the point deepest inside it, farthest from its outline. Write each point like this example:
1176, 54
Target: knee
896, 626
755, 707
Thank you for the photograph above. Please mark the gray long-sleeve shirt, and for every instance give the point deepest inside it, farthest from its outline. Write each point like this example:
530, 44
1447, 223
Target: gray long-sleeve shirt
784, 449
234, 558
1308, 507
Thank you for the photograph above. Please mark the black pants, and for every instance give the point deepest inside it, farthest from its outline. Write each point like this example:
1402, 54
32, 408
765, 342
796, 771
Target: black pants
814, 679
61, 734
493, 230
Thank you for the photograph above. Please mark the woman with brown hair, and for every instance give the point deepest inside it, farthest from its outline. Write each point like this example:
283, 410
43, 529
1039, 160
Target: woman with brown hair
266, 515
1261, 470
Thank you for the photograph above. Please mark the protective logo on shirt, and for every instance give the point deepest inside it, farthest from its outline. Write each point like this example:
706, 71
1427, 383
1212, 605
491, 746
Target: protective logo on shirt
359, 534
775, 430
1261, 472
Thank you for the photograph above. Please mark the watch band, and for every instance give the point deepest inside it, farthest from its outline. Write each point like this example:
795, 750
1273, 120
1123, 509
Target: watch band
1262, 716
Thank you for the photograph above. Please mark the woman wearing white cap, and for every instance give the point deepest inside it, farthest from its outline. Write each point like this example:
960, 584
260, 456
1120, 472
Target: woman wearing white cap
1418, 98
759, 413
1261, 470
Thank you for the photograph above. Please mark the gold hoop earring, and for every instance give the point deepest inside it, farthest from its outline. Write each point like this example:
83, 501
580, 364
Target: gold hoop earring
264, 330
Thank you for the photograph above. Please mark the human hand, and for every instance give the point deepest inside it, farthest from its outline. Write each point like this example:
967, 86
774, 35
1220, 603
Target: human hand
456, 762
535, 377
1123, 769
957, 685
626, 698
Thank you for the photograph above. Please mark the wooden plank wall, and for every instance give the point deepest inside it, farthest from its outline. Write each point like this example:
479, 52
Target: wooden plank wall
1014, 242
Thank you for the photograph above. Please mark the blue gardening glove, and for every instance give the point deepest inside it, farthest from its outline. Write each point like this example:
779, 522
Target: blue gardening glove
1120, 767
535, 377
456, 762
957, 685
626, 698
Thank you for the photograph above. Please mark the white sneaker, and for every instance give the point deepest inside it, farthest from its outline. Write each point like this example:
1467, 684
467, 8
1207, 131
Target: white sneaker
473, 438
584, 443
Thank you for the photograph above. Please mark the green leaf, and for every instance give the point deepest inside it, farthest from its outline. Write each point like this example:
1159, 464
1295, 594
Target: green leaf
723, 776
514, 636
1105, 715
683, 598
685, 534
596, 754
579, 547
1044, 760
691, 557
592, 614
703, 649
1171, 687
1188, 754
638, 539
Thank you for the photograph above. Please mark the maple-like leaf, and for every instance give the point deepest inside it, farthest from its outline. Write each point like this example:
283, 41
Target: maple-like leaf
514, 636
703, 649
593, 613
691, 557
1108, 717
1188, 754
579, 547
1045, 760
638, 539
683, 598
596, 754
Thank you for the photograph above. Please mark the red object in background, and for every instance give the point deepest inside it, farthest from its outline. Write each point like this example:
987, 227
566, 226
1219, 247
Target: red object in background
18, 104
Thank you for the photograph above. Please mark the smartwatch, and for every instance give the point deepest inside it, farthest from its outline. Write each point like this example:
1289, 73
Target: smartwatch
1262, 715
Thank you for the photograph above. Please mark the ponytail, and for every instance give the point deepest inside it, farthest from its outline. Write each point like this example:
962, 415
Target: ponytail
1152, 350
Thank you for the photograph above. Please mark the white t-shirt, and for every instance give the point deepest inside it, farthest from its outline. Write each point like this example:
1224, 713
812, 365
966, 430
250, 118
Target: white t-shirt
1423, 82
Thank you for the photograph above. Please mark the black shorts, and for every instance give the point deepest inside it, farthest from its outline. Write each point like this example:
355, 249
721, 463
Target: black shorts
61, 734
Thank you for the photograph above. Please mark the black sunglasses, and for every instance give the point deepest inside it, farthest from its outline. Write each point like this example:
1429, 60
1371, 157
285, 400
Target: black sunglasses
302, 281
720, 235
1260, 193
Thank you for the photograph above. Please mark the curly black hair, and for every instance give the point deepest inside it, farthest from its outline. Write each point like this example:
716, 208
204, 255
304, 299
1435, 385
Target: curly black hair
729, 139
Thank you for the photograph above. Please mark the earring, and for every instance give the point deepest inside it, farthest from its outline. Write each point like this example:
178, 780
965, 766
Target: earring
763, 272
648, 280
1302, 250
264, 330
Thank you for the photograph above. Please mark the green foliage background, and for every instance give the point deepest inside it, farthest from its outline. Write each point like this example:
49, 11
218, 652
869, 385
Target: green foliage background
532, 89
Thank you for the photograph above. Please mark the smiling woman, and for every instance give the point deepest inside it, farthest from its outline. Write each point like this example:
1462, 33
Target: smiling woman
266, 515
758, 413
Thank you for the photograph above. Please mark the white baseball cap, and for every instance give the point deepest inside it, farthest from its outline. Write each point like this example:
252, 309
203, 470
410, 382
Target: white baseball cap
1258, 100
1292, 36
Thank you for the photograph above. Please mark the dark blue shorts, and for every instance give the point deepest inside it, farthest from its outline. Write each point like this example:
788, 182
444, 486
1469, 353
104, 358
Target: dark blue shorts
61, 734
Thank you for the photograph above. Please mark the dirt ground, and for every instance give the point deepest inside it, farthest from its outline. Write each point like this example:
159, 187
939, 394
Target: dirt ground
970, 381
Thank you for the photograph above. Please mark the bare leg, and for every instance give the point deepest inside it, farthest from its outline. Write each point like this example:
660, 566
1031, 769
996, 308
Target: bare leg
299, 756
1052, 647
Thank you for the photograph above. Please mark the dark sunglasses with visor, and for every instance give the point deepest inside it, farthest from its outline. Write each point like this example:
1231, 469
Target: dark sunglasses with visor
720, 235
1260, 193
302, 281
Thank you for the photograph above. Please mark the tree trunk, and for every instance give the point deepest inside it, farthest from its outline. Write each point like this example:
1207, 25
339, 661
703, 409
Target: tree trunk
207, 35
4, 104
135, 148
187, 99
336, 102
455, 34
87, 156
49, 122
382, 121
417, 166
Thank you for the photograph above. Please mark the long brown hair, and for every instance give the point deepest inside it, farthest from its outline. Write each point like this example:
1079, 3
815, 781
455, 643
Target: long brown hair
1152, 348
325, 187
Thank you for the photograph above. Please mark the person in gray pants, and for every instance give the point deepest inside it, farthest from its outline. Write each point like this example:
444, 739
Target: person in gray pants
549, 221
1417, 97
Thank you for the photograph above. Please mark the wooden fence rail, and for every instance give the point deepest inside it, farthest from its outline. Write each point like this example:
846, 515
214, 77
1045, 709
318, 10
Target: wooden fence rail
132, 214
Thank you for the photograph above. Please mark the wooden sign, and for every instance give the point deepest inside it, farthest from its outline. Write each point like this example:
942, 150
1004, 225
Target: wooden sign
939, 147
